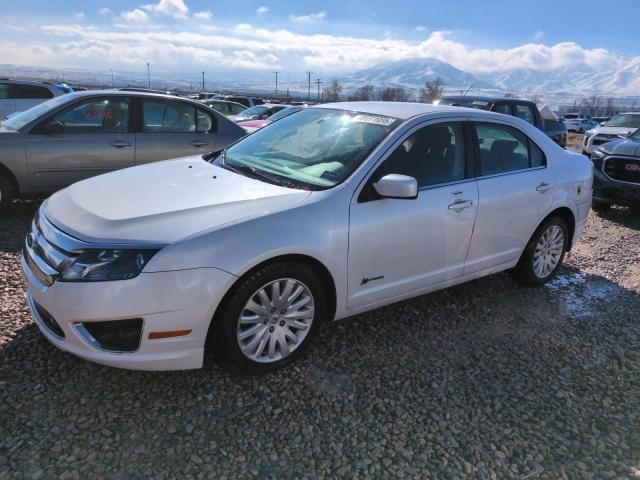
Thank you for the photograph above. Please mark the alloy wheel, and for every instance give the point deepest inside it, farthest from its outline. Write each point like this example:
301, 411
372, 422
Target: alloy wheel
548, 251
275, 320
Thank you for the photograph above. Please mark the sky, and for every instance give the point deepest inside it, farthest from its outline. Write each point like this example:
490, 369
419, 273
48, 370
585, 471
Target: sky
330, 37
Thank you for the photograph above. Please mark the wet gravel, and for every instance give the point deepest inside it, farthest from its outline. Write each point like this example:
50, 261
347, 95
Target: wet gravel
484, 380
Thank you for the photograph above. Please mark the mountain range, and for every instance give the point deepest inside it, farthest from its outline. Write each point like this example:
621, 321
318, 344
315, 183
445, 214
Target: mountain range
413, 73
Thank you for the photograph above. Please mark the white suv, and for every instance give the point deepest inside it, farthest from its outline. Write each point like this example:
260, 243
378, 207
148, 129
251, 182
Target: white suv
622, 125
19, 95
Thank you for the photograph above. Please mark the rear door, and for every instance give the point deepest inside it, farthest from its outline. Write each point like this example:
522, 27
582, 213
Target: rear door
515, 190
96, 139
172, 129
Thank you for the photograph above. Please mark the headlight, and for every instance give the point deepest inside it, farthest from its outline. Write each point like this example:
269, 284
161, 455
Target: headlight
589, 133
103, 265
597, 155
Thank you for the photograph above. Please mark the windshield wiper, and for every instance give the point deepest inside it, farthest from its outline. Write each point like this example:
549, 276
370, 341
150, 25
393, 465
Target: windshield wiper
254, 172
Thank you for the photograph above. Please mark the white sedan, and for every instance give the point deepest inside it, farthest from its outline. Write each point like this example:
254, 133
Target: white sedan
329, 212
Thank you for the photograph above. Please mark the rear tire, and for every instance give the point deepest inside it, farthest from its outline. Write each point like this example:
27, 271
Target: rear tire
544, 253
7, 191
259, 329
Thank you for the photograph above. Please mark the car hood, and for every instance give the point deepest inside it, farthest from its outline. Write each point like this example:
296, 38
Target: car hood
627, 148
163, 202
613, 131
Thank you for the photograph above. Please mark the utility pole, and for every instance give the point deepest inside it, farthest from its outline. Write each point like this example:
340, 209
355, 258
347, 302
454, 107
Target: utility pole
203, 82
276, 83
148, 75
309, 86
318, 81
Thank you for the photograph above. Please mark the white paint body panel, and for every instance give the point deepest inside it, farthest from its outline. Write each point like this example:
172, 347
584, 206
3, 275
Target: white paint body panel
216, 230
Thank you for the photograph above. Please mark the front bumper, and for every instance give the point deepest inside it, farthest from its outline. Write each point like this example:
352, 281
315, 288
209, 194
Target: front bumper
165, 301
608, 190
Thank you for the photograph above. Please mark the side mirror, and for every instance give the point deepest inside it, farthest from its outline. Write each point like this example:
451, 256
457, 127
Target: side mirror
54, 127
397, 186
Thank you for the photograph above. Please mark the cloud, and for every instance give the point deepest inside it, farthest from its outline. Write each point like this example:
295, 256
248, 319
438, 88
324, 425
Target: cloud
135, 16
79, 15
105, 11
170, 8
311, 18
15, 28
539, 35
248, 47
204, 15
420, 28
262, 10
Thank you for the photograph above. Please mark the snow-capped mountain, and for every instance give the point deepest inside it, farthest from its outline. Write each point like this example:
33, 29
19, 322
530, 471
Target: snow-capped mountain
413, 73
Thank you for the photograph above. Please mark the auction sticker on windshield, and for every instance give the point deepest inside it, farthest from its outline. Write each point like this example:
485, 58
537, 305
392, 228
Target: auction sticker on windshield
374, 119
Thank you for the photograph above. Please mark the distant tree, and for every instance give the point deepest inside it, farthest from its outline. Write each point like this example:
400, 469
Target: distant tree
431, 91
510, 95
610, 109
333, 91
591, 104
391, 94
363, 93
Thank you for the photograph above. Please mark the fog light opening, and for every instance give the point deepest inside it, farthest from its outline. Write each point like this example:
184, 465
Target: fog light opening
112, 335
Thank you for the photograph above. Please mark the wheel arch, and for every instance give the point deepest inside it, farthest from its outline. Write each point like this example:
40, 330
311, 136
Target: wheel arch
565, 214
6, 173
316, 265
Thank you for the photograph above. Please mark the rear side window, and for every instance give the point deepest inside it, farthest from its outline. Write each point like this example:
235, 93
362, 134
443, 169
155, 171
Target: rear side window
504, 108
432, 155
168, 117
4, 91
24, 92
504, 149
101, 115
204, 122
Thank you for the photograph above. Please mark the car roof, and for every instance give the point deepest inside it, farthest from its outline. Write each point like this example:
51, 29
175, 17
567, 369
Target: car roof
478, 98
402, 110
30, 82
127, 93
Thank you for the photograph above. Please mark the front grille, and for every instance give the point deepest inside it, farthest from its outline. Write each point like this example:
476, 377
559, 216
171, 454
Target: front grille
51, 258
48, 320
623, 169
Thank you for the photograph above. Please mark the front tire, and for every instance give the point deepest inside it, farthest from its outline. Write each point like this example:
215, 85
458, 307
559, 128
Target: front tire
544, 253
271, 317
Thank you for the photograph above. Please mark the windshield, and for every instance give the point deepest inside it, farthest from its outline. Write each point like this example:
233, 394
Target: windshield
19, 120
283, 113
314, 149
571, 116
625, 120
257, 110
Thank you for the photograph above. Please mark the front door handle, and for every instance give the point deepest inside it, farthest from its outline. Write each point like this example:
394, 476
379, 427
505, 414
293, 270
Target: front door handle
120, 144
198, 143
460, 205
543, 187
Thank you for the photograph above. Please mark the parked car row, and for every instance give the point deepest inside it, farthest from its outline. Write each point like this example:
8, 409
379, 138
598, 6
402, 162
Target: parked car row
146, 267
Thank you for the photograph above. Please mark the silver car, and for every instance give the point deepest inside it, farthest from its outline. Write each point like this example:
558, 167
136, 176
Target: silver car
329, 212
80, 135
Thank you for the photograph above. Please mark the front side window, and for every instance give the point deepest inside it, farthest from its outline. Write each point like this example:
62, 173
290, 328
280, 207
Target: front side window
503, 108
168, 117
317, 148
98, 115
28, 92
505, 149
432, 155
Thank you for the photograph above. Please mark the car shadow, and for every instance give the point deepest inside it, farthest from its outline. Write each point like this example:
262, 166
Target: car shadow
626, 216
15, 221
458, 373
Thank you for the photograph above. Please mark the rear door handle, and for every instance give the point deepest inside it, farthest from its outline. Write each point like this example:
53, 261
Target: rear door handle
460, 205
543, 187
198, 143
120, 144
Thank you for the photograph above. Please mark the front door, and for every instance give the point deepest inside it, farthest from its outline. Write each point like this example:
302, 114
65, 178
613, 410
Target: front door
172, 129
95, 140
398, 246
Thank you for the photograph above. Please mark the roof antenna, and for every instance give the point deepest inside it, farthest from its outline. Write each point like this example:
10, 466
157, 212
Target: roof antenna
468, 89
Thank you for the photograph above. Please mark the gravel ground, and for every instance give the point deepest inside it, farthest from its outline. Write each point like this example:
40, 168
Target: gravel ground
484, 380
